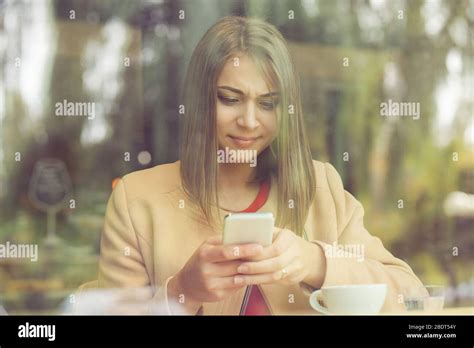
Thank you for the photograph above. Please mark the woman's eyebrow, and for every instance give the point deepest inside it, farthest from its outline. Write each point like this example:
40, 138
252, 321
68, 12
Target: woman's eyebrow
238, 91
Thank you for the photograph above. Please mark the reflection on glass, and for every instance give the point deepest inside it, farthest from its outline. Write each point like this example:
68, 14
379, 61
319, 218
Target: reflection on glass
427, 298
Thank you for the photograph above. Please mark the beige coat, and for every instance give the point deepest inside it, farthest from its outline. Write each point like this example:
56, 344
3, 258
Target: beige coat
151, 230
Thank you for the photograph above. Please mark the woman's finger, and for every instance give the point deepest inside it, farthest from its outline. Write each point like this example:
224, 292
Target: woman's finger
286, 272
267, 266
221, 253
283, 240
223, 283
224, 269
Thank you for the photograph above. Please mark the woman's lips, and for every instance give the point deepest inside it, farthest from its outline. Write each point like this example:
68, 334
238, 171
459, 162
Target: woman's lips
243, 141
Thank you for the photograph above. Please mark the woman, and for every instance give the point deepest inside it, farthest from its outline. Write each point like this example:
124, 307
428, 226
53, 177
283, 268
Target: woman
163, 225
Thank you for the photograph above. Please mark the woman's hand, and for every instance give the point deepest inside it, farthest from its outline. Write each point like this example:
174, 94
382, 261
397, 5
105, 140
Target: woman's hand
289, 259
210, 273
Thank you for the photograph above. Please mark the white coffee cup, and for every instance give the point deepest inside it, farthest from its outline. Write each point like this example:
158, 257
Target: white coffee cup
350, 299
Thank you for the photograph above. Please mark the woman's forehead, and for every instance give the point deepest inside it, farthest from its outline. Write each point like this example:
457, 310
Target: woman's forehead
241, 73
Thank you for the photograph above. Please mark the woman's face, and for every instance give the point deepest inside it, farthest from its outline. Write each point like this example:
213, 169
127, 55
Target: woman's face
245, 108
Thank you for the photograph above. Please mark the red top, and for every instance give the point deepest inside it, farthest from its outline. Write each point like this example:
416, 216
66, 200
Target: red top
256, 303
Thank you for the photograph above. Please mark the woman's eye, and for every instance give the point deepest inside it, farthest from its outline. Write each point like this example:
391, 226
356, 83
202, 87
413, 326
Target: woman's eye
228, 100
268, 105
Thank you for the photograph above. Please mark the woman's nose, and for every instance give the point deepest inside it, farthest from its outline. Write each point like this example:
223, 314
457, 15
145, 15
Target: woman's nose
249, 117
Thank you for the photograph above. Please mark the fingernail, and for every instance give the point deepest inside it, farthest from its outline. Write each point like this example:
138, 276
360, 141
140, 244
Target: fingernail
257, 249
242, 269
238, 280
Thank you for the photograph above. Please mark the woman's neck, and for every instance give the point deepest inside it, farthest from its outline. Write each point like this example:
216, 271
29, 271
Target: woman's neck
236, 186
235, 175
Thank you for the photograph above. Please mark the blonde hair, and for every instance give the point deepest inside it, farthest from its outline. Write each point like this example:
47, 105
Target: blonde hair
288, 157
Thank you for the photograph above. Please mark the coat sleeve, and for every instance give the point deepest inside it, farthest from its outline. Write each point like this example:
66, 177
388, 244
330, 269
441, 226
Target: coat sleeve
372, 263
121, 263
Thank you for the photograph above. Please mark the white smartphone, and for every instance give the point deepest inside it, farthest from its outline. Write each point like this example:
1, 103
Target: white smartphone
243, 228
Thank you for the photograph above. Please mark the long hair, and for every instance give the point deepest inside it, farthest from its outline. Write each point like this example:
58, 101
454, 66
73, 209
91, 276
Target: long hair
288, 158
